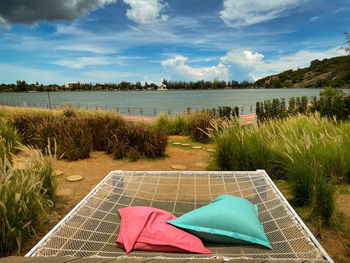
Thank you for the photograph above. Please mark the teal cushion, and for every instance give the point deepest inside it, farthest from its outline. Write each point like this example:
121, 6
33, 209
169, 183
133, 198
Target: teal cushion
227, 219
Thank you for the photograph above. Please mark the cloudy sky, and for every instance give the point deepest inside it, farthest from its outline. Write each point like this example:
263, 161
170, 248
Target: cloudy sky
54, 41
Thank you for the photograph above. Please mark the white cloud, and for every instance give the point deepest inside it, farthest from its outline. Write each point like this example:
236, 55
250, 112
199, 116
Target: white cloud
259, 68
4, 24
145, 11
243, 58
177, 67
85, 48
247, 12
81, 62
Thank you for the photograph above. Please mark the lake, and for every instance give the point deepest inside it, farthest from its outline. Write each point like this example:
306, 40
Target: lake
149, 103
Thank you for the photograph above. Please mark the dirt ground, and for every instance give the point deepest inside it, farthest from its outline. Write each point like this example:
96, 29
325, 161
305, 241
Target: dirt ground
95, 168
99, 165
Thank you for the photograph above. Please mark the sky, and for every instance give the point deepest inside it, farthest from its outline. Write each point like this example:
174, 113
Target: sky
106, 41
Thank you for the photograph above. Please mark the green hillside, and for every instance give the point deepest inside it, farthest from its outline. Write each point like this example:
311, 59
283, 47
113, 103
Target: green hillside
332, 72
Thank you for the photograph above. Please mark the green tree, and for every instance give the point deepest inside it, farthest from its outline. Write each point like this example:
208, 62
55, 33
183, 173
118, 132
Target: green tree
347, 42
21, 85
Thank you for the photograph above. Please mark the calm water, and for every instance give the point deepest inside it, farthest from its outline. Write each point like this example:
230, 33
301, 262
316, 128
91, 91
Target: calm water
149, 102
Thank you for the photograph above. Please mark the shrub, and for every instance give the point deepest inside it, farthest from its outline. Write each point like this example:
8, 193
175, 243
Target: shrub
141, 137
103, 125
199, 124
25, 121
174, 125
71, 134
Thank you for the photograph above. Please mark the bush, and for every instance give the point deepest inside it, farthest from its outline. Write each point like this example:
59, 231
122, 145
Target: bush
25, 121
333, 104
200, 121
71, 134
103, 125
174, 125
141, 137
76, 133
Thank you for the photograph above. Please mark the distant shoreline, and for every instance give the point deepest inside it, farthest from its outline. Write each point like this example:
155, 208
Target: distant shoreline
68, 90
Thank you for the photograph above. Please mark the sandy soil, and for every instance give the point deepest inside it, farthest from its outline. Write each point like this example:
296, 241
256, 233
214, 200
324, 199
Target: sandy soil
99, 165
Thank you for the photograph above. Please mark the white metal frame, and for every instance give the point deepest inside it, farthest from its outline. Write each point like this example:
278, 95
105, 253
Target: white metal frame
312, 237
31, 252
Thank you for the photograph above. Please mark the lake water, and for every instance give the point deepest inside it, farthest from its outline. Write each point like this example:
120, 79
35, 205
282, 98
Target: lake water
148, 103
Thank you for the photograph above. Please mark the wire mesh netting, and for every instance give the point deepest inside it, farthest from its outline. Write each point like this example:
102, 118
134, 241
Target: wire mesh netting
92, 229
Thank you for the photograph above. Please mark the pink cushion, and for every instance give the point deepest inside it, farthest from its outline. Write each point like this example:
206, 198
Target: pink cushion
145, 228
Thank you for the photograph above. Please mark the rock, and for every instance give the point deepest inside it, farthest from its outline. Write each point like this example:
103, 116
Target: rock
74, 178
178, 167
197, 147
176, 143
211, 150
65, 191
185, 144
58, 173
201, 165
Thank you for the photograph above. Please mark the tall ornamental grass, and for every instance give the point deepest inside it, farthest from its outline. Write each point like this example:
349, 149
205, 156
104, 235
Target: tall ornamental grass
76, 133
301, 149
25, 196
9, 141
140, 139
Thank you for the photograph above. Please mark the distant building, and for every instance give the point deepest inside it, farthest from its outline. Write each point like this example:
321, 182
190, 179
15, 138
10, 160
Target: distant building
162, 87
69, 85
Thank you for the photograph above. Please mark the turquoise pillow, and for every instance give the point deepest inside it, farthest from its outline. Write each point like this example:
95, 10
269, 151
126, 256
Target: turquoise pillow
227, 219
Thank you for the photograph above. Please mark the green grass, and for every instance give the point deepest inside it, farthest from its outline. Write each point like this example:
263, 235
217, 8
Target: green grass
300, 149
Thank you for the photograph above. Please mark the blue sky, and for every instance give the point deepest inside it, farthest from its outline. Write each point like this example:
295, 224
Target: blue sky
52, 41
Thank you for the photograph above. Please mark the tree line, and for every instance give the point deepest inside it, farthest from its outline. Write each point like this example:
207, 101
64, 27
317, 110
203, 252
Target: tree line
22, 86
332, 103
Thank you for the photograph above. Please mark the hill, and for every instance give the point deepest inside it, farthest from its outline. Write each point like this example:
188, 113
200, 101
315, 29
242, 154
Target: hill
332, 72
